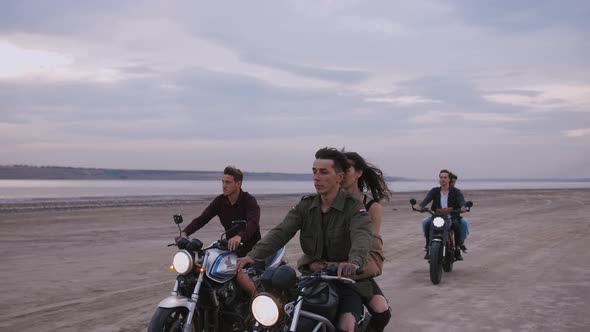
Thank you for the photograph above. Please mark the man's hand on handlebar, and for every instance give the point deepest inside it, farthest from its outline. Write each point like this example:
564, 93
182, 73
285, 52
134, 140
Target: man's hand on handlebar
346, 269
234, 242
242, 261
417, 208
318, 265
182, 234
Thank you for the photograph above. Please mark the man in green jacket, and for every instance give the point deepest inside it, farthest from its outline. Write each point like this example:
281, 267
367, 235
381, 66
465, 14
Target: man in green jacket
334, 227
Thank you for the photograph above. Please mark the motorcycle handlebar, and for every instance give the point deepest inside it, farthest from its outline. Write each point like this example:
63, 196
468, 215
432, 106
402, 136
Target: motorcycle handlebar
438, 213
222, 244
331, 272
184, 241
345, 279
468, 205
321, 274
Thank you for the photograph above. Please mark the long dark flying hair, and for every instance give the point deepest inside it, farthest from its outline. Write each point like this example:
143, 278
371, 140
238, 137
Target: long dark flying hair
372, 178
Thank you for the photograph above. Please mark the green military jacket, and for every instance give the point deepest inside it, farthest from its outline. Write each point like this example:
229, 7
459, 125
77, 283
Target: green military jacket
347, 235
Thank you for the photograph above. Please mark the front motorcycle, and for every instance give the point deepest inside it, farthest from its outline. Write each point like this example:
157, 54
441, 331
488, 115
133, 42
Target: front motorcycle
299, 304
206, 295
441, 247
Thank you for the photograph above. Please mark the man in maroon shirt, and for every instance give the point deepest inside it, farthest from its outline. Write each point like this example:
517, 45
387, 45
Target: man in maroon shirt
233, 204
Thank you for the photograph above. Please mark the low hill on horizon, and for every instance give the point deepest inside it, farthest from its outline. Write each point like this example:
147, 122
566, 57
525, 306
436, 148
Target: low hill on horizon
28, 172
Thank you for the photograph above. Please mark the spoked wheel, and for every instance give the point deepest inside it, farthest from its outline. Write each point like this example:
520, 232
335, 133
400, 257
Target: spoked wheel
170, 320
435, 262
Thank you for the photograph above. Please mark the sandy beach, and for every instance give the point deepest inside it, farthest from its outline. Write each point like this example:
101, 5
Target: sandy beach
103, 265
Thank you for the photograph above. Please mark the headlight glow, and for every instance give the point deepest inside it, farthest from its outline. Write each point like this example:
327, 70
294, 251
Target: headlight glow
183, 262
265, 310
438, 222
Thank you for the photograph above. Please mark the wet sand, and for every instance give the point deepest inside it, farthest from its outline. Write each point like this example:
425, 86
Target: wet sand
103, 265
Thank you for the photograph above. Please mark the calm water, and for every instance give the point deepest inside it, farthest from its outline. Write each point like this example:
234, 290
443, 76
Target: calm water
26, 190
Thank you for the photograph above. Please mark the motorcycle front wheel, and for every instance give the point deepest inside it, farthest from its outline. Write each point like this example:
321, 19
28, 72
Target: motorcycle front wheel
170, 320
435, 262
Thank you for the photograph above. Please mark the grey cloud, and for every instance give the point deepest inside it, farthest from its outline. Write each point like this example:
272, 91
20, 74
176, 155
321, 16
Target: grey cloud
552, 124
439, 46
279, 32
456, 94
528, 93
461, 96
555, 103
433, 55
137, 69
195, 102
57, 16
206, 104
343, 76
306, 44
74, 99
525, 14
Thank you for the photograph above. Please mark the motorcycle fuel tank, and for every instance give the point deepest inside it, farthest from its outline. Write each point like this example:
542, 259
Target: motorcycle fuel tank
221, 265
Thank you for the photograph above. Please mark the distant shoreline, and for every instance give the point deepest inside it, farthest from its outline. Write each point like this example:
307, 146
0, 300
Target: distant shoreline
28, 172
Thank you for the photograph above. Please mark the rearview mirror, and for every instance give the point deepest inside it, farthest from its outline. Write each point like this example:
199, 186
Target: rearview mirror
177, 219
413, 201
469, 204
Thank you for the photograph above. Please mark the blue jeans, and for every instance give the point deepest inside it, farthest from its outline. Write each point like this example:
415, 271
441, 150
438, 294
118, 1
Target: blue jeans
464, 227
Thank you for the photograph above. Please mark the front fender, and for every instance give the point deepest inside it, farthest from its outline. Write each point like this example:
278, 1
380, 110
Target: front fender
174, 302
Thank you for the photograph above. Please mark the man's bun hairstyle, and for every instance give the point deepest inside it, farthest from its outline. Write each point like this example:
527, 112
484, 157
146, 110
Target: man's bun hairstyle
341, 164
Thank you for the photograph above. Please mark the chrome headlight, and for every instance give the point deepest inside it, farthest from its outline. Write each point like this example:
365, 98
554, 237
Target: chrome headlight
438, 222
183, 262
265, 309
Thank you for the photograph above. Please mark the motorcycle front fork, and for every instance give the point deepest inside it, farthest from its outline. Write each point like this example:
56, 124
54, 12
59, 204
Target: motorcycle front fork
297, 311
193, 301
193, 304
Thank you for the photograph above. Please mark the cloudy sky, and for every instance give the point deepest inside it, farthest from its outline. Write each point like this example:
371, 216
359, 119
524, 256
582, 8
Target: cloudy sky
485, 88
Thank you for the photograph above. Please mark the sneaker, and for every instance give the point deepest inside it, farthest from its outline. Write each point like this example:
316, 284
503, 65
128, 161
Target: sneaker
426, 256
463, 248
458, 255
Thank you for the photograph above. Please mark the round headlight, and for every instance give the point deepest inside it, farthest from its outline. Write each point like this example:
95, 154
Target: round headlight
438, 222
265, 310
183, 262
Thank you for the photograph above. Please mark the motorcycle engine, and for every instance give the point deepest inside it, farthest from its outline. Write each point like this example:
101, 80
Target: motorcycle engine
228, 293
234, 307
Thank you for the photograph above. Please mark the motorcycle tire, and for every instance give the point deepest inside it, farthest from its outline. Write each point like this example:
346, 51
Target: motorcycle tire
435, 262
170, 320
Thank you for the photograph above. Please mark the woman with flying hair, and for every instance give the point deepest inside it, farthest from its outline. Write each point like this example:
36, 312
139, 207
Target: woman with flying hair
366, 182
